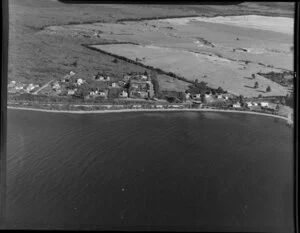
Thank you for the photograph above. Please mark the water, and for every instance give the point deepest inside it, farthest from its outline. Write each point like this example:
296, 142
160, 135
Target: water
149, 171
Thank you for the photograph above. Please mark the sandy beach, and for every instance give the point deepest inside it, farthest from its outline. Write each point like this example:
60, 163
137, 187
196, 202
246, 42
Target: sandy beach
147, 110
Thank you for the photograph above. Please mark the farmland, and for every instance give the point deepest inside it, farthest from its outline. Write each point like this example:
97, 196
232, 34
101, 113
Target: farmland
36, 55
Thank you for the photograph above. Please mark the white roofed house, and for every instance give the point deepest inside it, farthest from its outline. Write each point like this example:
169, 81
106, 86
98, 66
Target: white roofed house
30, 87
114, 84
79, 81
19, 86
71, 92
264, 104
249, 104
11, 84
220, 96
236, 105
187, 95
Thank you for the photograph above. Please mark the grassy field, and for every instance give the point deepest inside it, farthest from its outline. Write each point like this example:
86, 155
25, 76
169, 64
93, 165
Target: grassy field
39, 57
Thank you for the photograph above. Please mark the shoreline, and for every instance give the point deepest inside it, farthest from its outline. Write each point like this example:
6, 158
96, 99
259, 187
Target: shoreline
148, 110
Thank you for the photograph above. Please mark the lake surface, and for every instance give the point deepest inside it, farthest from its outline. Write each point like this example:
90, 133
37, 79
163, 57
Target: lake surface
149, 171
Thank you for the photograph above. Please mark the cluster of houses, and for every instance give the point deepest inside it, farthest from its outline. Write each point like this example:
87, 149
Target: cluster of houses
14, 87
131, 86
207, 97
140, 86
255, 105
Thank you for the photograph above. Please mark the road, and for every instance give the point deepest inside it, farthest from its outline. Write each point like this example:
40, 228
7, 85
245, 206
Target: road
41, 88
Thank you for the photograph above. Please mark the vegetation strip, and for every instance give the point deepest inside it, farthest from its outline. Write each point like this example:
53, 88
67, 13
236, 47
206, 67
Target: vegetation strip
158, 70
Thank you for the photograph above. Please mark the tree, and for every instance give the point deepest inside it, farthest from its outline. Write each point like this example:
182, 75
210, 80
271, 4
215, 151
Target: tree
256, 84
253, 76
74, 63
241, 98
220, 90
146, 73
196, 81
268, 89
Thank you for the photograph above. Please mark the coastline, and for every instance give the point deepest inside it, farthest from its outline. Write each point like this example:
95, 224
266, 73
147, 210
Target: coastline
149, 110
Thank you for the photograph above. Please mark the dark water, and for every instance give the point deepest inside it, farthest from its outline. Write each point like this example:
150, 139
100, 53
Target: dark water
149, 171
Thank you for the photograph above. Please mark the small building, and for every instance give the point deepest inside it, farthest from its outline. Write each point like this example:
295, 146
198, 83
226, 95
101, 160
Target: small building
72, 73
123, 94
159, 106
255, 103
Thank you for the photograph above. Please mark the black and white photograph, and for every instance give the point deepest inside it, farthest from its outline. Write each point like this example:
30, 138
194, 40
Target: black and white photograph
149, 117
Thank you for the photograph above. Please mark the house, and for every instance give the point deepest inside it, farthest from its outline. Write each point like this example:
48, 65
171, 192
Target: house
121, 83
114, 85
79, 81
137, 106
236, 105
71, 92
197, 96
219, 96
124, 94
207, 96
72, 73
11, 84
102, 77
159, 106
19, 86
102, 93
99, 78
92, 93
56, 86
187, 95
255, 104
249, 104
126, 78
264, 104
143, 77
